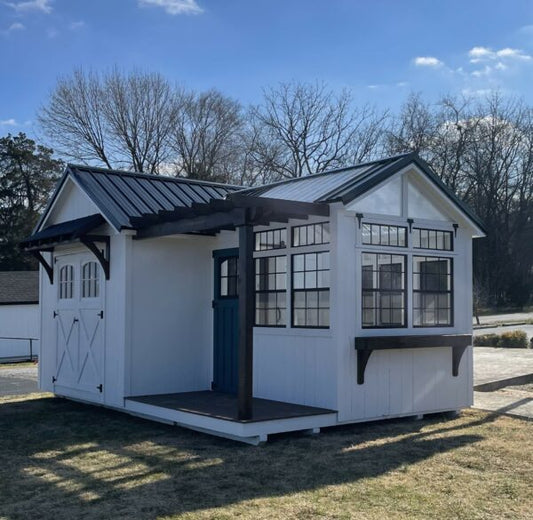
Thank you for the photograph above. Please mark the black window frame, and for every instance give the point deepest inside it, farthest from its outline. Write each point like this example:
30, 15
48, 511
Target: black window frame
230, 276
318, 289
269, 290
385, 292
372, 225
270, 232
444, 232
66, 285
313, 226
421, 291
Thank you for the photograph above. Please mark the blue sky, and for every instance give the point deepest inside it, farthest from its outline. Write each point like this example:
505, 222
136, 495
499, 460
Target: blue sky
381, 49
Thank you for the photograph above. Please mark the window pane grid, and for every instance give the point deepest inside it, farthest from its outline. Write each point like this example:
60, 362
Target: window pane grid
66, 282
310, 234
432, 291
90, 283
271, 239
271, 291
384, 235
310, 290
383, 290
228, 277
432, 239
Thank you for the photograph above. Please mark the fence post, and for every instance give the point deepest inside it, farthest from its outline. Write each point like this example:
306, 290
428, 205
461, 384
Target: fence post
31, 349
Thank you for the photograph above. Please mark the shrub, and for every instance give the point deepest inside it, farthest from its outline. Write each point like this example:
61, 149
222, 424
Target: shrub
486, 340
512, 339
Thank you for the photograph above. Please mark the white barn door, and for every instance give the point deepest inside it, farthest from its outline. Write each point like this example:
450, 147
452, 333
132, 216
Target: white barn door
79, 319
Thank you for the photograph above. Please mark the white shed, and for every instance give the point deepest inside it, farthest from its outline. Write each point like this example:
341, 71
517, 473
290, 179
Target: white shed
19, 315
334, 298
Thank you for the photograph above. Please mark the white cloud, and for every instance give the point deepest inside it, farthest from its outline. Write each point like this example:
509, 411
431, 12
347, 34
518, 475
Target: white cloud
13, 28
480, 54
31, 5
8, 122
73, 26
427, 61
174, 6
485, 71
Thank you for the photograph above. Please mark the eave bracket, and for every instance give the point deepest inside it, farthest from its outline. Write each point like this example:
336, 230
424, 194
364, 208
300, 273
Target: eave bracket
89, 241
47, 267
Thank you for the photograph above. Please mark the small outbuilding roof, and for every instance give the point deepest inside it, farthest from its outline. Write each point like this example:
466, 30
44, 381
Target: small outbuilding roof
19, 287
134, 200
123, 197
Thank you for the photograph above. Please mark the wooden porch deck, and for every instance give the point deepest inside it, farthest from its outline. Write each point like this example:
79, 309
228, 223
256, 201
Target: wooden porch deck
223, 406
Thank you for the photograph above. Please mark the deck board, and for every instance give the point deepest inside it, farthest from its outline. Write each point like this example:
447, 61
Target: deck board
224, 406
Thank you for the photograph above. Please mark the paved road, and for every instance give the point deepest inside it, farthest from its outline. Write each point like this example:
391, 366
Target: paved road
15, 381
504, 318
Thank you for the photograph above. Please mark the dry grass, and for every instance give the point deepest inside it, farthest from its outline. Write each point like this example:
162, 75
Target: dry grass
66, 460
21, 364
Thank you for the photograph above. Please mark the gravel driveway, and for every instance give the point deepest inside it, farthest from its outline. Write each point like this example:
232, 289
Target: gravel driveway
18, 380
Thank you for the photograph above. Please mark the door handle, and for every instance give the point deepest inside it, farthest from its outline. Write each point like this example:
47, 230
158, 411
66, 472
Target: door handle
75, 320
101, 314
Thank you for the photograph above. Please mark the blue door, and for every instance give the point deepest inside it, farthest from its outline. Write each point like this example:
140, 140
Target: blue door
226, 320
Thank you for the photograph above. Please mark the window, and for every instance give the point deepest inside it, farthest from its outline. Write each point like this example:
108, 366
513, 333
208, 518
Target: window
310, 234
89, 280
272, 239
271, 291
66, 282
432, 239
383, 235
432, 291
310, 290
383, 290
228, 270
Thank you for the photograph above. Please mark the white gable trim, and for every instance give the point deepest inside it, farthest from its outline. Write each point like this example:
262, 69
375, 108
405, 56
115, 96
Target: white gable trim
58, 196
442, 201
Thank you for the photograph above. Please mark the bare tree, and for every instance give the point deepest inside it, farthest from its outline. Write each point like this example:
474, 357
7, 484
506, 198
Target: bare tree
116, 119
306, 128
207, 136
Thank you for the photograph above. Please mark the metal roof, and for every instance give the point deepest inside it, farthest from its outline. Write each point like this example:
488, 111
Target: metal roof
346, 184
130, 200
323, 187
19, 287
123, 197
70, 230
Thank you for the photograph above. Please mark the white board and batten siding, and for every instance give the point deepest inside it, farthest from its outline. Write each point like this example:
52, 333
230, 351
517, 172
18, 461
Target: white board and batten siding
19, 321
406, 381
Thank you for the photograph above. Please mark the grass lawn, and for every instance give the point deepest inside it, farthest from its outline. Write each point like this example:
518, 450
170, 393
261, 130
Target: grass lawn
65, 460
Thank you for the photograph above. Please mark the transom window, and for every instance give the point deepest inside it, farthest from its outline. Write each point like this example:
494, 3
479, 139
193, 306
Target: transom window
228, 269
384, 235
66, 282
271, 239
310, 234
271, 291
310, 290
383, 290
432, 291
432, 239
90, 286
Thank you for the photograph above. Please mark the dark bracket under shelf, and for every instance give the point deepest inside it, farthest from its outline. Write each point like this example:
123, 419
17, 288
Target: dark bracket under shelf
365, 347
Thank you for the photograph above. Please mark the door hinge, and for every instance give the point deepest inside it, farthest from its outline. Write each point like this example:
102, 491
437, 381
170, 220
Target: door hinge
75, 320
213, 386
213, 303
100, 387
54, 379
101, 314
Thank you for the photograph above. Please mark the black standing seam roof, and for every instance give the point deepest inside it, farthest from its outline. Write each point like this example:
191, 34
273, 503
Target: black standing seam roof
125, 196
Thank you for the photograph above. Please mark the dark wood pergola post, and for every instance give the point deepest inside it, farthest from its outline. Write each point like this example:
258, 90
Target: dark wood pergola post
246, 318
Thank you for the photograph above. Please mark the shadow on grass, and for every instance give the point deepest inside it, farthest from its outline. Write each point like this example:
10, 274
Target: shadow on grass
67, 460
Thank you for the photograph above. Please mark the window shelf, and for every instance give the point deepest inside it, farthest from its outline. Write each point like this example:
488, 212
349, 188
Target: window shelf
365, 346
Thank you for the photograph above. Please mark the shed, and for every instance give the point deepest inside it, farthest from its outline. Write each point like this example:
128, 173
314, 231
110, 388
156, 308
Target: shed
335, 298
19, 315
